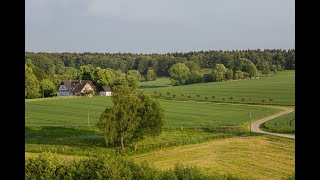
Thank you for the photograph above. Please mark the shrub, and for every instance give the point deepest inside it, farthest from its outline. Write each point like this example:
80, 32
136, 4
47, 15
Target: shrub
189, 96
155, 92
264, 100
271, 99
182, 94
224, 99
168, 93
231, 98
243, 99
45, 166
206, 98
174, 95
160, 94
213, 97
198, 95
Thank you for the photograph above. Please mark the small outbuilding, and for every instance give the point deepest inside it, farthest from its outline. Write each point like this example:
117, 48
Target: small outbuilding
105, 91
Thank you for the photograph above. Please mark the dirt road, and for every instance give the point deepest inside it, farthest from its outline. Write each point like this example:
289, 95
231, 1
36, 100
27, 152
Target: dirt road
255, 125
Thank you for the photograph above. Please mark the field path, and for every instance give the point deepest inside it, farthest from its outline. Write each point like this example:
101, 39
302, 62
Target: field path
255, 125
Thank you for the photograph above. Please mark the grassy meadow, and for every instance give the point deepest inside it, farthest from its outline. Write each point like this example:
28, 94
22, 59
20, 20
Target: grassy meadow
73, 112
257, 157
280, 87
282, 124
209, 134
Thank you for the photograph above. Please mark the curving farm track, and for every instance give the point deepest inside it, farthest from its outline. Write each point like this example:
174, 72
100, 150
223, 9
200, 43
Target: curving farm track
255, 125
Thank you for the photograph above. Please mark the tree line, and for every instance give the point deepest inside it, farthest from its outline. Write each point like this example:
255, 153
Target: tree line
55, 63
52, 68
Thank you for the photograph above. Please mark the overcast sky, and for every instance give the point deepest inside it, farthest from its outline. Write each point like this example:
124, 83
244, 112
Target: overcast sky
159, 26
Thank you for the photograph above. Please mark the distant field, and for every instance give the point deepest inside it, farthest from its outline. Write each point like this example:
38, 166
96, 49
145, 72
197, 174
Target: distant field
73, 112
282, 124
280, 87
259, 157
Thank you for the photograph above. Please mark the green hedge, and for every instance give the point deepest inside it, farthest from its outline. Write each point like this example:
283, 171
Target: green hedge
45, 166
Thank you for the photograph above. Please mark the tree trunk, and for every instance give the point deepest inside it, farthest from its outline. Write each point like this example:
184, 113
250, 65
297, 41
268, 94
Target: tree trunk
136, 147
122, 146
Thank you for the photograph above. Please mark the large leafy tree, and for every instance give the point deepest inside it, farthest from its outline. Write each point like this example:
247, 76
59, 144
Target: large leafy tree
151, 114
151, 75
179, 73
119, 121
47, 87
265, 67
32, 87
86, 72
192, 66
247, 66
135, 73
229, 74
218, 72
133, 82
102, 77
274, 69
194, 77
238, 75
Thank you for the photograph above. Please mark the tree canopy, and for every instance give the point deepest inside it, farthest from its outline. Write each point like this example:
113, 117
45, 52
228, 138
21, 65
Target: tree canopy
32, 87
179, 73
132, 116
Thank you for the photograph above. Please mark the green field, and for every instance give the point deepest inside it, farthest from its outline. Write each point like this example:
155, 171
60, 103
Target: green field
210, 135
258, 157
280, 87
282, 124
73, 112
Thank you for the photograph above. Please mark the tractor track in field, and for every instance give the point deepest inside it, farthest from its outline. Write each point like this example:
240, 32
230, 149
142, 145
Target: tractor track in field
255, 125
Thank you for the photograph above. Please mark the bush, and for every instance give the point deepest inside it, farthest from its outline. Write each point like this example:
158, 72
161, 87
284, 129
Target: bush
213, 97
189, 96
45, 166
198, 95
264, 100
182, 94
206, 98
224, 99
174, 95
246, 75
168, 93
238, 75
243, 99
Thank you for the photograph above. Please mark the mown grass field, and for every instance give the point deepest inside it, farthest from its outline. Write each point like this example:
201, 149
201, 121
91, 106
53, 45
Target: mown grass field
257, 157
282, 124
280, 87
73, 112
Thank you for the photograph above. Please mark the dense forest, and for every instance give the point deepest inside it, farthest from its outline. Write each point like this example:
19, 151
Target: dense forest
45, 70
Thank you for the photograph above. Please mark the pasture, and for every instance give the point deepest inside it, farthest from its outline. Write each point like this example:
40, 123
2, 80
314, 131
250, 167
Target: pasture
209, 134
73, 112
280, 87
258, 157
283, 124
